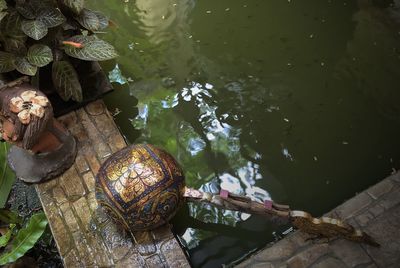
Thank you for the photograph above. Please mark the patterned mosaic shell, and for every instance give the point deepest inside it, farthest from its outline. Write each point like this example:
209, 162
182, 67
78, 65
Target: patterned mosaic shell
140, 186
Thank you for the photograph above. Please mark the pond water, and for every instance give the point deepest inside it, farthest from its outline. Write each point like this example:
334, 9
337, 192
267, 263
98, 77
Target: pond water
297, 101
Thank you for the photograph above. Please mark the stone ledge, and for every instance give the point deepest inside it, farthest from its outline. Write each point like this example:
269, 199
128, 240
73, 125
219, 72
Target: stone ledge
353, 206
376, 211
380, 189
85, 237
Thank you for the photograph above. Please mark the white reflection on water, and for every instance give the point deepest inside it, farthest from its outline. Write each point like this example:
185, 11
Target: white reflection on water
140, 121
190, 238
196, 145
192, 141
224, 139
170, 102
116, 76
286, 154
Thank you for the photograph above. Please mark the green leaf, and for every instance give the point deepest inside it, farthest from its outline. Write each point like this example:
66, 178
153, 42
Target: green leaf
6, 62
75, 6
66, 81
89, 20
70, 25
92, 20
26, 11
34, 29
8, 217
11, 24
7, 177
51, 17
38, 5
23, 66
15, 46
7, 236
93, 49
104, 21
3, 5
25, 238
39, 55
2, 15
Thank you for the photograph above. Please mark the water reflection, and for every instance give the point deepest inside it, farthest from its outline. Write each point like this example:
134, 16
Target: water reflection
294, 101
164, 20
211, 135
202, 139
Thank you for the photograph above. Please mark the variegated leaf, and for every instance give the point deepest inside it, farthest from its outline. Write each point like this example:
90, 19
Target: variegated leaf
11, 24
6, 62
89, 20
93, 49
3, 5
15, 46
76, 6
92, 20
66, 81
104, 21
2, 15
23, 66
38, 5
26, 11
51, 17
34, 29
39, 55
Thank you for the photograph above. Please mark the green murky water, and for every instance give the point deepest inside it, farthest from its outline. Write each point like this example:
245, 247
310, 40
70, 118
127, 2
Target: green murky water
297, 101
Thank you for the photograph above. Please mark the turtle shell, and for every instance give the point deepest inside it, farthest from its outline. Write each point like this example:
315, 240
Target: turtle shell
140, 186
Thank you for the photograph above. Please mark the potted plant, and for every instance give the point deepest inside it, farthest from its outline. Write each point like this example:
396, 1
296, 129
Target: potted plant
54, 39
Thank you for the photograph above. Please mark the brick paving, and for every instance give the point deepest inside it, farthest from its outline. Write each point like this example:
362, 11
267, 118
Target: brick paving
375, 211
85, 237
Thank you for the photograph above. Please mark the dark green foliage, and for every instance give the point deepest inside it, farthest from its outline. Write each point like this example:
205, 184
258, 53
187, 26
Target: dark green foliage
92, 20
51, 17
15, 46
66, 81
93, 49
7, 236
34, 29
3, 6
10, 25
26, 11
22, 239
28, 43
6, 62
23, 66
76, 6
39, 55
25, 238
9, 217
7, 178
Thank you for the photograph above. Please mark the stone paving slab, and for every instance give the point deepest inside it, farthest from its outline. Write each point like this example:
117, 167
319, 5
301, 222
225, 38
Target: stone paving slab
375, 211
85, 237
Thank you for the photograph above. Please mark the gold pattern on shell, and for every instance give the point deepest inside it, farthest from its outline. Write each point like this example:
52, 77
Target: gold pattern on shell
132, 179
140, 186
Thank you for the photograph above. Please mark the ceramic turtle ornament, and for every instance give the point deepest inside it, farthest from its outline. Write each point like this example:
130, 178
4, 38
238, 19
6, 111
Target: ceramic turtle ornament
141, 187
